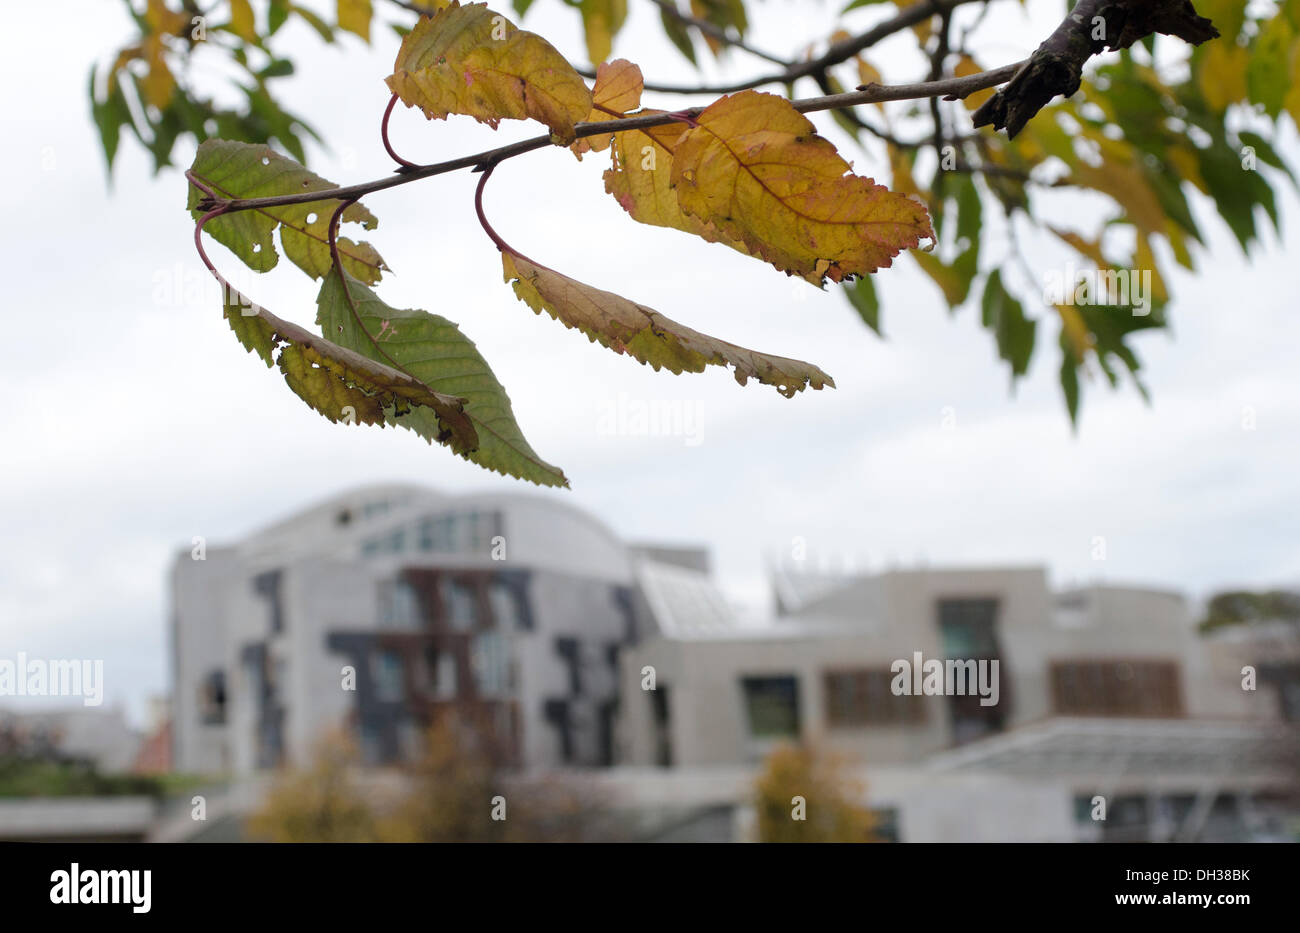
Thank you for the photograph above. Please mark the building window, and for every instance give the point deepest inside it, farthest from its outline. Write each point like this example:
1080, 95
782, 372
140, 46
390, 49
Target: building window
772, 706
969, 628
1116, 688
386, 669
268, 586
438, 534
399, 606
461, 609
507, 611
444, 677
661, 719
490, 662
864, 698
212, 699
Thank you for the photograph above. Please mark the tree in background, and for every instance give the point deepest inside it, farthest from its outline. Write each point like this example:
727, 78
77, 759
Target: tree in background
806, 794
1184, 111
455, 792
322, 803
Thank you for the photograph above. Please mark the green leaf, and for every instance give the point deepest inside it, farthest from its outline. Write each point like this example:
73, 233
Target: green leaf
862, 295
323, 29
1014, 333
240, 170
860, 3
433, 351
339, 383
110, 115
1267, 154
1268, 72
678, 35
276, 17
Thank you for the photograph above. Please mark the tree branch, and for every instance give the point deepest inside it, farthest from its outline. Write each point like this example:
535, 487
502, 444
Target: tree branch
1091, 27
838, 52
947, 88
715, 31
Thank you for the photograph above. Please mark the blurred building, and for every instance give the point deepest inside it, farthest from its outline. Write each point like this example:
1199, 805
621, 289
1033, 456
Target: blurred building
570, 648
1104, 692
378, 608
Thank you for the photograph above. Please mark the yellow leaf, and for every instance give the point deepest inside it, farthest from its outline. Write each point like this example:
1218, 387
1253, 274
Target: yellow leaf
158, 84
641, 181
1118, 177
1291, 103
469, 60
1089, 248
242, 22
949, 280
968, 66
1178, 243
163, 20
1076, 330
1145, 259
755, 169
355, 16
617, 92
601, 21
869, 74
643, 333
1222, 74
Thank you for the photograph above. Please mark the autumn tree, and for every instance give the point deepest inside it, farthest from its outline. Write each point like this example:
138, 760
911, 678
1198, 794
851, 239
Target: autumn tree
1144, 107
456, 790
322, 802
805, 794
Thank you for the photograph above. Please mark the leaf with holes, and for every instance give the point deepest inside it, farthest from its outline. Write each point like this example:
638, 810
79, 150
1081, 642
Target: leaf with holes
340, 383
239, 170
472, 61
433, 351
646, 335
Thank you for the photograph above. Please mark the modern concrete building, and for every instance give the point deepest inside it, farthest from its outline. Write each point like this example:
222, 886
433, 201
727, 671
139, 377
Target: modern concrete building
378, 608
1102, 691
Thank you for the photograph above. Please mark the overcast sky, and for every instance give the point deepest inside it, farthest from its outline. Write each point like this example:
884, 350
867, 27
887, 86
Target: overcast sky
133, 421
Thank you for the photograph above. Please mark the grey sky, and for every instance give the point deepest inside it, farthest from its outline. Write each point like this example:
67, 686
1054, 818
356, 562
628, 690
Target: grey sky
132, 421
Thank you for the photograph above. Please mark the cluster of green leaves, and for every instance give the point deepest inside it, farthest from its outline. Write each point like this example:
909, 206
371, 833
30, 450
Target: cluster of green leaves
748, 171
144, 89
1241, 607
1141, 137
25, 776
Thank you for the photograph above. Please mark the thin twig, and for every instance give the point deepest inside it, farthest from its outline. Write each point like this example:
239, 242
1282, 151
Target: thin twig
717, 32
837, 53
949, 88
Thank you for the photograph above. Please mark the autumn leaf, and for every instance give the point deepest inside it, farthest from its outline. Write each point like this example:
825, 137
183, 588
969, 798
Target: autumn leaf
240, 170
601, 21
755, 169
355, 16
617, 92
242, 21
432, 350
643, 333
470, 60
640, 179
338, 382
